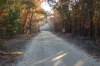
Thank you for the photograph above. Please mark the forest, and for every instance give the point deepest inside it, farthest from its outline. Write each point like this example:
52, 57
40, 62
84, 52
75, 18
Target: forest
19, 18
78, 17
65, 22
16, 16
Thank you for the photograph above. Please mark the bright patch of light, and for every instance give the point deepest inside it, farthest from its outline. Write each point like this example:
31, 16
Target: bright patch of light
59, 57
46, 6
57, 0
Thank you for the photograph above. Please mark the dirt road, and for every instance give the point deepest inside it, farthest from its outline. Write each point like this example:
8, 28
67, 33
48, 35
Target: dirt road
49, 50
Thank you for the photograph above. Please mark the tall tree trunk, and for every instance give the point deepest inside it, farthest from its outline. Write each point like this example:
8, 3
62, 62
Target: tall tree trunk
91, 13
25, 22
30, 25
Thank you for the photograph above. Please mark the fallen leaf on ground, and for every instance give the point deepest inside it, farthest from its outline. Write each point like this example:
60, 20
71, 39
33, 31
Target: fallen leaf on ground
16, 53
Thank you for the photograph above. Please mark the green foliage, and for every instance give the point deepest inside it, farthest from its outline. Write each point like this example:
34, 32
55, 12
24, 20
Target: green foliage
10, 16
9, 22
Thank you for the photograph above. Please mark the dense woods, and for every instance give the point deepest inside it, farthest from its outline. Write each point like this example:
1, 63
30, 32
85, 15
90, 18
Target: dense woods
16, 16
18, 19
79, 17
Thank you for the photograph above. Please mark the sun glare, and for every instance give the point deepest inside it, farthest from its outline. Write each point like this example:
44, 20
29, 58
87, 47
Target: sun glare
46, 6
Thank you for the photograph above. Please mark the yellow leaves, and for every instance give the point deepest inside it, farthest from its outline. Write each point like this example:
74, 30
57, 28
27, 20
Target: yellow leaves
12, 53
16, 53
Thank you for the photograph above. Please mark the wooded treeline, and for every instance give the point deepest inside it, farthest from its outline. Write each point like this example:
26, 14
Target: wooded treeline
79, 17
16, 16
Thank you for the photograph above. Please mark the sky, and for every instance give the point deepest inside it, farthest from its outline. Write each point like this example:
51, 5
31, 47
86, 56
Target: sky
46, 6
